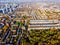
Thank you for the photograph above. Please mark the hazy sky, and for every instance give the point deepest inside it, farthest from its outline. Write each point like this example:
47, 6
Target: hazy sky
28, 0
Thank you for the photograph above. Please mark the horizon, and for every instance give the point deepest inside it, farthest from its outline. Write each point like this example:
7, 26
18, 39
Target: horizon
30, 1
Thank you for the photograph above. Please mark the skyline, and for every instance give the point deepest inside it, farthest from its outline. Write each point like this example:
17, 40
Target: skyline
29, 0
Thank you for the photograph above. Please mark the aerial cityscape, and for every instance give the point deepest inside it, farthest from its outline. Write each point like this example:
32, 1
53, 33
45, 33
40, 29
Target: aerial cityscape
30, 23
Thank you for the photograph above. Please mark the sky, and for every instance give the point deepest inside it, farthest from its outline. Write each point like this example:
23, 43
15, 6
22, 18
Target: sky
28, 0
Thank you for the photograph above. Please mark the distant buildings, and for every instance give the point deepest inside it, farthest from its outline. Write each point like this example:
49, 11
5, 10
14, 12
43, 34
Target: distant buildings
5, 8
